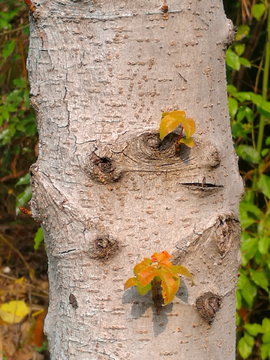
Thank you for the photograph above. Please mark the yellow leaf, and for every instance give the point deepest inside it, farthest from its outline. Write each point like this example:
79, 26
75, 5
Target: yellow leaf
14, 311
131, 282
32, 274
169, 283
36, 313
141, 266
188, 142
191, 126
178, 269
170, 121
19, 281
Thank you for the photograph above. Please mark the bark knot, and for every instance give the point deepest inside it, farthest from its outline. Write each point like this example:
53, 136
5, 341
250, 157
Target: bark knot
103, 248
228, 229
103, 169
208, 304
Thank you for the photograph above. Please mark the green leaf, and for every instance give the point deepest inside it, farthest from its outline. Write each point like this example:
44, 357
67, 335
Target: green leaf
242, 32
264, 185
258, 257
266, 337
244, 348
38, 238
259, 278
20, 127
9, 14
25, 30
245, 112
17, 149
249, 339
267, 141
264, 152
4, 24
232, 59
19, 82
8, 48
264, 113
265, 105
268, 262
253, 329
258, 10
238, 300
24, 180
247, 213
143, 290
23, 198
249, 247
256, 99
238, 319
249, 292
246, 220
31, 129
237, 129
245, 62
231, 89
242, 279
252, 209
248, 153
239, 48
263, 245
243, 95
266, 325
5, 115
233, 107
265, 351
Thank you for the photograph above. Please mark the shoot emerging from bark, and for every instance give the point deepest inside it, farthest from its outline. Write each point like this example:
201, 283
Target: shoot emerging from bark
158, 270
171, 120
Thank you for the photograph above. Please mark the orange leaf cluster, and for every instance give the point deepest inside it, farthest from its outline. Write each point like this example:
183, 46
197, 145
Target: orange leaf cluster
160, 268
171, 120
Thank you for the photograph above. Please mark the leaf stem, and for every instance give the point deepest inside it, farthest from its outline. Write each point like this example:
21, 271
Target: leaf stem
180, 135
154, 288
265, 82
177, 144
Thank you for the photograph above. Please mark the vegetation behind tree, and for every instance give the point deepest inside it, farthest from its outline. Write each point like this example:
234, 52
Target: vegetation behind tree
23, 280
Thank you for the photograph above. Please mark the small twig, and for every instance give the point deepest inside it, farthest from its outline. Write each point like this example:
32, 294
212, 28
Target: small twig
10, 177
11, 31
31, 285
23, 63
20, 255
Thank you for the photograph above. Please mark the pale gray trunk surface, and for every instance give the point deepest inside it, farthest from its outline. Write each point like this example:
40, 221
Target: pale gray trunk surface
107, 195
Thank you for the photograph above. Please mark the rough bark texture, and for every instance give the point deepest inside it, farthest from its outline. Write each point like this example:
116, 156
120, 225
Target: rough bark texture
108, 194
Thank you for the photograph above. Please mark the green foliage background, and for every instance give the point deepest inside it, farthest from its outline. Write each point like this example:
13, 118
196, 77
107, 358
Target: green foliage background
248, 95
249, 107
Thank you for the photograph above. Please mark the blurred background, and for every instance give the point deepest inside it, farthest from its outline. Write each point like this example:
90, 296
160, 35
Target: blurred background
23, 263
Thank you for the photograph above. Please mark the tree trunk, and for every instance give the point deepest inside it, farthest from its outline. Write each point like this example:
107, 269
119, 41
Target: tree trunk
107, 192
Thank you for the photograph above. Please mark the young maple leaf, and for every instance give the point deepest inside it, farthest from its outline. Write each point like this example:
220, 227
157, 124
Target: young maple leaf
150, 272
171, 120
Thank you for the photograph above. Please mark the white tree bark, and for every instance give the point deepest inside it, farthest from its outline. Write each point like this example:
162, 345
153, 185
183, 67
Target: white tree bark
108, 194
